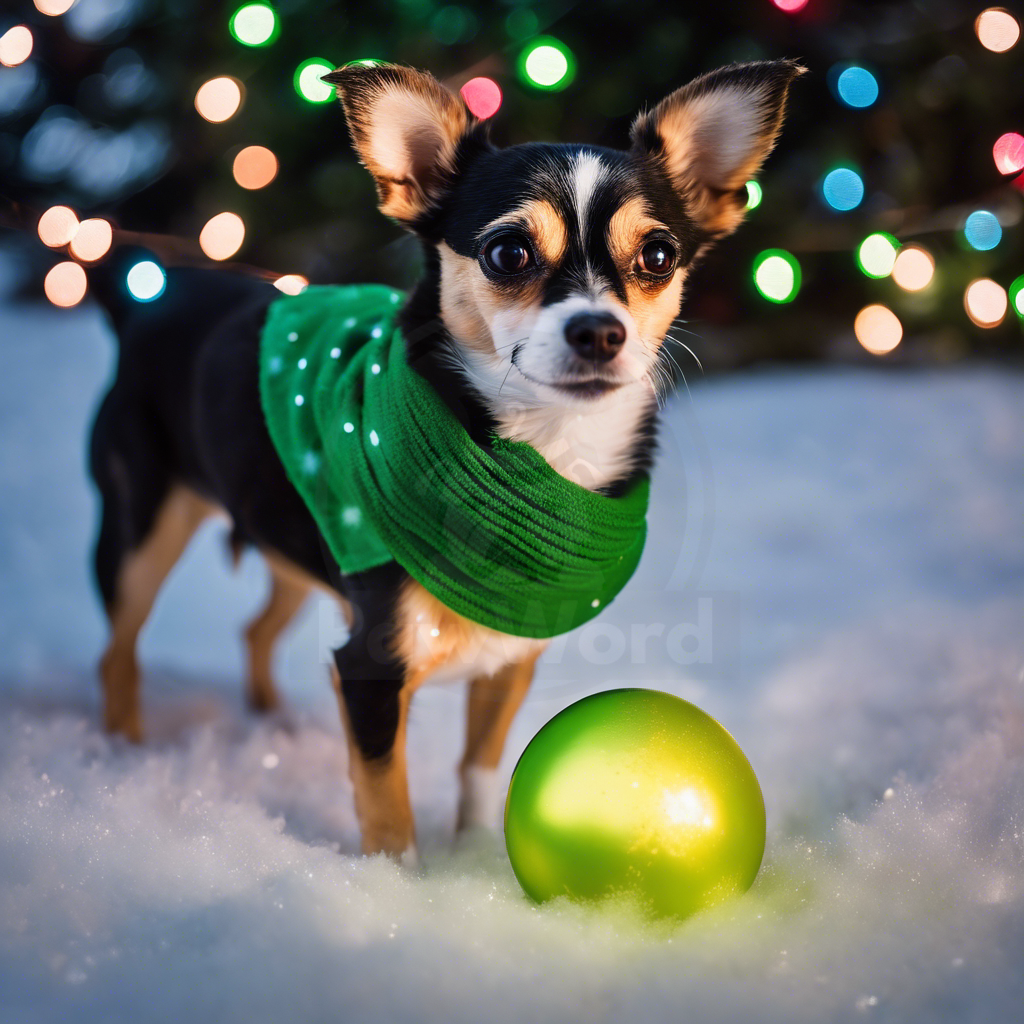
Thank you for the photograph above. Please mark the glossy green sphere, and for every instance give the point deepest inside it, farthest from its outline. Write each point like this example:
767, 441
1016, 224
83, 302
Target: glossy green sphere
635, 793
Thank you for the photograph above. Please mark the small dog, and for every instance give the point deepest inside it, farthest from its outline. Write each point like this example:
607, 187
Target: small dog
553, 274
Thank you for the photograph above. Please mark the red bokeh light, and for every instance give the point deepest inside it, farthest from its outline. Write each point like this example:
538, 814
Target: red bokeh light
1008, 153
482, 96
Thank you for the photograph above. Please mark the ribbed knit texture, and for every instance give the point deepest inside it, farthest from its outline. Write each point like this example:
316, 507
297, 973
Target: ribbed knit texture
389, 473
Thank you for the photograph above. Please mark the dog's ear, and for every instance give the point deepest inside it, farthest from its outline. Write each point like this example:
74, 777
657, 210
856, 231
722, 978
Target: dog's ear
406, 128
712, 136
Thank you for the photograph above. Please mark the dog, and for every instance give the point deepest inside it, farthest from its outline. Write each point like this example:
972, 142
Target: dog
553, 273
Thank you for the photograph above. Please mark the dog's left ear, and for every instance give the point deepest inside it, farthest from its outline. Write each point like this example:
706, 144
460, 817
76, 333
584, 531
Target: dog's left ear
406, 128
711, 136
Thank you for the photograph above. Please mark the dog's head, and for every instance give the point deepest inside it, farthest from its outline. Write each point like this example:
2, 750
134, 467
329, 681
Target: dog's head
562, 266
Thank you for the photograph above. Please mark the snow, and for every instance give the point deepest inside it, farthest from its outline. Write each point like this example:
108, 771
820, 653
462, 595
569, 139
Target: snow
836, 562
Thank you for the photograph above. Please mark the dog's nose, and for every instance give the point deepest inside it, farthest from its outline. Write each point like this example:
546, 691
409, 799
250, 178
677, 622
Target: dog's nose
596, 336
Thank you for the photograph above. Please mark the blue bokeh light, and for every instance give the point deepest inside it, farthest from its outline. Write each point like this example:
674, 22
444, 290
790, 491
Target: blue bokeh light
857, 87
842, 189
146, 281
982, 230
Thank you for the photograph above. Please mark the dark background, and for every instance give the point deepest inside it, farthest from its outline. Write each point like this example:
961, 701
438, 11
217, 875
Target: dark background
122, 75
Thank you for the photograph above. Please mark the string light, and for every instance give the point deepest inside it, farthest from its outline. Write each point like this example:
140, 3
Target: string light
92, 240
985, 302
65, 284
914, 268
482, 96
982, 230
146, 281
754, 195
291, 284
307, 80
254, 167
857, 87
777, 275
219, 98
877, 254
57, 226
254, 25
1017, 296
878, 329
997, 29
1008, 153
54, 8
222, 236
547, 63
843, 189
15, 46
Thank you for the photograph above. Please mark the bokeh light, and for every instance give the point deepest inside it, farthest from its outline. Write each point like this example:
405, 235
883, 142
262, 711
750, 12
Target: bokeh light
877, 254
982, 230
254, 167
914, 268
65, 284
547, 63
219, 98
790, 6
1017, 296
291, 284
878, 329
843, 189
307, 80
777, 275
998, 30
54, 8
754, 195
146, 281
985, 302
222, 236
57, 226
482, 96
254, 25
92, 240
857, 87
15, 46
1008, 153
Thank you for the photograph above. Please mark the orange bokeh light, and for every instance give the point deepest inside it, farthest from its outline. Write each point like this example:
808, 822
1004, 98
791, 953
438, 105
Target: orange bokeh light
57, 226
254, 167
222, 236
65, 284
15, 46
878, 329
291, 284
998, 30
985, 302
219, 98
54, 8
914, 268
92, 239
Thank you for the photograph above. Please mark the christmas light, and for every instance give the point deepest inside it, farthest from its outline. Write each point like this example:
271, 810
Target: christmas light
146, 281
843, 189
878, 329
254, 167
482, 96
985, 302
877, 254
1017, 296
790, 6
754, 195
914, 268
92, 239
54, 8
307, 80
857, 87
997, 29
982, 230
291, 284
547, 63
219, 98
65, 284
1008, 153
222, 236
57, 226
777, 275
15, 46
254, 25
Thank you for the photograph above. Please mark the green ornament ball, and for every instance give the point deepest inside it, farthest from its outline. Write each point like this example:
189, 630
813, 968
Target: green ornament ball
639, 794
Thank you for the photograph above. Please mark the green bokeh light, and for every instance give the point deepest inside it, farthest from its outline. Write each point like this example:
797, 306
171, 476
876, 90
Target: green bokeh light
307, 80
547, 63
1017, 296
877, 254
254, 25
754, 195
777, 275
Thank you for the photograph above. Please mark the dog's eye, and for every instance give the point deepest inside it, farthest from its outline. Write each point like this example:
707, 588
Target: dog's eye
508, 254
657, 258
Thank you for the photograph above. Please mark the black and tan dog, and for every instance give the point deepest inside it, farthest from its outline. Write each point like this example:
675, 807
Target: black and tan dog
553, 273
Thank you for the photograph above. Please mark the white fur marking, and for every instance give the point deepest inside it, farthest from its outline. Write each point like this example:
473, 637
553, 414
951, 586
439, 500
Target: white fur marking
587, 173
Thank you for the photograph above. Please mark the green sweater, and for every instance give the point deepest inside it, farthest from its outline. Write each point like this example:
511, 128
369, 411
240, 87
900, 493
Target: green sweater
389, 474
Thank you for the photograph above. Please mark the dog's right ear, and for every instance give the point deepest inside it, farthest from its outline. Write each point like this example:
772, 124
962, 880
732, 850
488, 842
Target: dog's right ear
406, 128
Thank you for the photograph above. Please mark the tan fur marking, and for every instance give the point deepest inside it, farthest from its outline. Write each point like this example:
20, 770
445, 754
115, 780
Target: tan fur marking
654, 311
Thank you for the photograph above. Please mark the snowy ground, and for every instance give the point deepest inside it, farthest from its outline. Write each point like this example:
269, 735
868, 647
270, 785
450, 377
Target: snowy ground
848, 550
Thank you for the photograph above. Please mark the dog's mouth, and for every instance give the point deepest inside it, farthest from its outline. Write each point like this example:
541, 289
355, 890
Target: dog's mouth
588, 387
